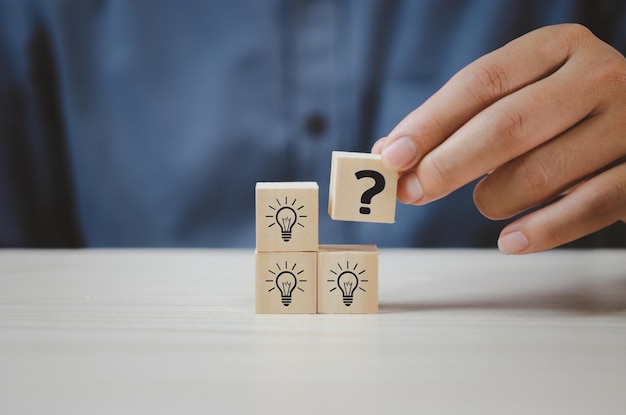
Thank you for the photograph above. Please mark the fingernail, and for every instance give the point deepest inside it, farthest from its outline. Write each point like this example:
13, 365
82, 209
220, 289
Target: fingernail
412, 189
378, 145
400, 154
513, 243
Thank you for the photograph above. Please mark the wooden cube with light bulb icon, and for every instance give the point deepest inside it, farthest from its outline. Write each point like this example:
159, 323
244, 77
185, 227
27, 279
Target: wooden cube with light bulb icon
286, 282
287, 216
347, 279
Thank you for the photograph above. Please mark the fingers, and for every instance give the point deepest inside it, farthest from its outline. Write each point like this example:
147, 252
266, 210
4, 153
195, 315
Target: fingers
378, 146
498, 74
520, 113
593, 205
507, 129
548, 171
541, 116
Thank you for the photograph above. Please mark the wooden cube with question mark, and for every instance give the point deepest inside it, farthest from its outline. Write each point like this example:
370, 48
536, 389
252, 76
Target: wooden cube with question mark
287, 216
362, 189
347, 279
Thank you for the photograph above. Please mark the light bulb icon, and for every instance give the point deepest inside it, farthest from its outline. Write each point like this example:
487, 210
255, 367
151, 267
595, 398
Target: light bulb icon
287, 214
286, 282
348, 280
286, 218
347, 283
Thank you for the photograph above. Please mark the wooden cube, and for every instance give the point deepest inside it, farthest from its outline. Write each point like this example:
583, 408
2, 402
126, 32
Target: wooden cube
347, 279
287, 215
286, 282
361, 188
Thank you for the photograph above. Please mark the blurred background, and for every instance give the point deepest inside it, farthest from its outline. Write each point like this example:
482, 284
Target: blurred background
148, 123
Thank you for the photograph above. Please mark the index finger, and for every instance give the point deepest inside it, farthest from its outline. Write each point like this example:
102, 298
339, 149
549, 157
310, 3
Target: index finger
519, 63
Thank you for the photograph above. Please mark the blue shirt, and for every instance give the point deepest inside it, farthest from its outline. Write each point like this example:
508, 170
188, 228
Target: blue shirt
147, 123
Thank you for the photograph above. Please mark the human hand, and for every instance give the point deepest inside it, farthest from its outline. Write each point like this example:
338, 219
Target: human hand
544, 118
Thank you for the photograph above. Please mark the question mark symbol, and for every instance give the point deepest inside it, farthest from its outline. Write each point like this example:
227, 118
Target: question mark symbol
379, 186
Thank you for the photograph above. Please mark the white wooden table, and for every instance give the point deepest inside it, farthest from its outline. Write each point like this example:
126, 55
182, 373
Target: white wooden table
173, 331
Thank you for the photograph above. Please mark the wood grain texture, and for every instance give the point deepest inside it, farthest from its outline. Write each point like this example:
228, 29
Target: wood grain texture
174, 331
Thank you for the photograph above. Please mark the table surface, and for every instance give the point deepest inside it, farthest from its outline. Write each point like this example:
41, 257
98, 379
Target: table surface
459, 331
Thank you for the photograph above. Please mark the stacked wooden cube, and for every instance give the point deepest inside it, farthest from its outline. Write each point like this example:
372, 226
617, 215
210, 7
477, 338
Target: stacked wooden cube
293, 273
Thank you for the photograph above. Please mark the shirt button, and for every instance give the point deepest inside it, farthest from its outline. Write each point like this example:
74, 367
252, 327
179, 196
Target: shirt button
316, 125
